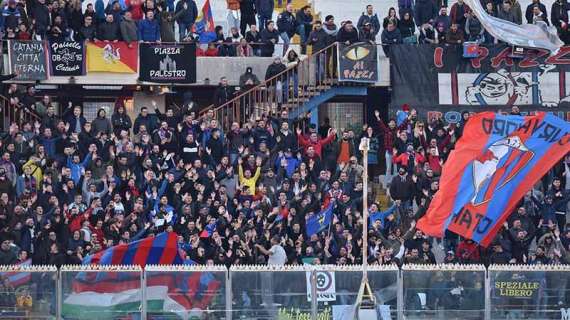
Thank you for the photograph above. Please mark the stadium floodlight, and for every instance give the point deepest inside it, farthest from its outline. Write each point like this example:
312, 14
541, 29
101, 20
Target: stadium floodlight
365, 301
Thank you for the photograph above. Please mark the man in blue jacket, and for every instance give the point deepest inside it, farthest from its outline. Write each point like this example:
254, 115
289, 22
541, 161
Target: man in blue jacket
264, 12
186, 12
149, 29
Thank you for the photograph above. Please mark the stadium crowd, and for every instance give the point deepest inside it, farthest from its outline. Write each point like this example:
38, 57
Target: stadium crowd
251, 30
242, 195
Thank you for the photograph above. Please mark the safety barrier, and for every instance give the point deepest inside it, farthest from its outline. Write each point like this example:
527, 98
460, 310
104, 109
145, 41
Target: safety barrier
284, 292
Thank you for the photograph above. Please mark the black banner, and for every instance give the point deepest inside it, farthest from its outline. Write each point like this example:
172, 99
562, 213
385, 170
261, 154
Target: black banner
358, 63
167, 62
67, 58
439, 81
28, 59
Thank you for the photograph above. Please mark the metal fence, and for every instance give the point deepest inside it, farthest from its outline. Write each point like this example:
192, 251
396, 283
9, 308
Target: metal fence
273, 292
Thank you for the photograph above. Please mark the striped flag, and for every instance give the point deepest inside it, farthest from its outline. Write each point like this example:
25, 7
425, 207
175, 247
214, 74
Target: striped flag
108, 295
204, 25
17, 279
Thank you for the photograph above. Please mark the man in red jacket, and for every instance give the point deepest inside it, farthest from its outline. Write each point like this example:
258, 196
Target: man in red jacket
314, 141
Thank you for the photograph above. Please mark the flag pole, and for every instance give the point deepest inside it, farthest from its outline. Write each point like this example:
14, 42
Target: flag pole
365, 299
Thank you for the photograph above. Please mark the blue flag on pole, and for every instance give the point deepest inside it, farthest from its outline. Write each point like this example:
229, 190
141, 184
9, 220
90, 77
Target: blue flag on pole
318, 222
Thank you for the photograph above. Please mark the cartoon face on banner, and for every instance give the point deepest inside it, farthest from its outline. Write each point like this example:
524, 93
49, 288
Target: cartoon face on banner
505, 88
497, 165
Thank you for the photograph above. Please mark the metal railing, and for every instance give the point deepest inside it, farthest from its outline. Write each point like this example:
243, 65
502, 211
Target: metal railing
16, 113
283, 292
287, 90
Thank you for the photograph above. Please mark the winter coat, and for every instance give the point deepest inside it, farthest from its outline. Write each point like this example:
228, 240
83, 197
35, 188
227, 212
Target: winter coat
149, 30
129, 30
373, 20
189, 16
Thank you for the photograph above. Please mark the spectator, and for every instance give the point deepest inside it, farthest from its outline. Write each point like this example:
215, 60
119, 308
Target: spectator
559, 16
408, 29
264, 10
304, 20
136, 9
366, 34
454, 35
516, 6
87, 31
443, 19
269, 37
146, 120
474, 31
186, 14
427, 34
247, 12
244, 49
58, 32
331, 29
507, 13
129, 30
233, 14
149, 29
390, 17
458, 14
286, 24
314, 143
425, 12
101, 124
253, 38
405, 6
167, 19
390, 35
109, 30
529, 14
372, 18
317, 38
278, 84
76, 121
121, 121
224, 92
347, 34
11, 16
212, 50
41, 15
538, 15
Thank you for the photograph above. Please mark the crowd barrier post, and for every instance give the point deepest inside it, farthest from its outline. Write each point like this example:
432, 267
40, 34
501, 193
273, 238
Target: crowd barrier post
487, 296
400, 299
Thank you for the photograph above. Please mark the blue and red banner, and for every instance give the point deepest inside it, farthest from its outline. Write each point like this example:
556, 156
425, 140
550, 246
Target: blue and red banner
204, 25
498, 159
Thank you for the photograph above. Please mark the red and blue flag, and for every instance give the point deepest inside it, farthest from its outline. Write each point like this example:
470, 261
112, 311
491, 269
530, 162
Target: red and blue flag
204, 25
17, 278
498, 159
179, 291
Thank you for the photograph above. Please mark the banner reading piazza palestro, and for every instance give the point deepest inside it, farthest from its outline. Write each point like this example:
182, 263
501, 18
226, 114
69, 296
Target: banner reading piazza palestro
168, 62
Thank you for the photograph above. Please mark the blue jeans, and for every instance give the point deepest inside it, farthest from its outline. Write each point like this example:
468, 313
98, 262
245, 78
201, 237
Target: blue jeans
286, 41
262, 21
182, 27
302, 34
